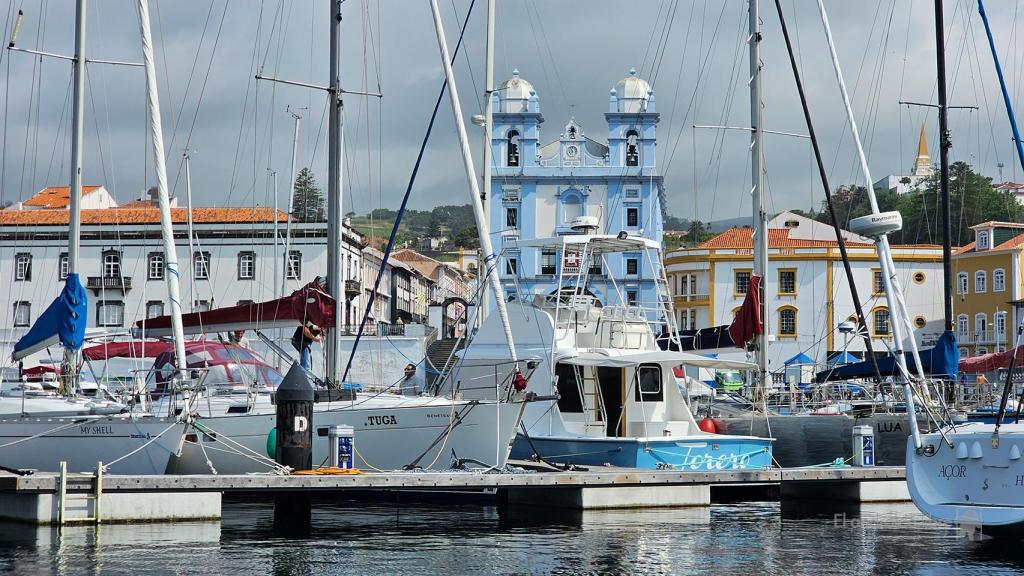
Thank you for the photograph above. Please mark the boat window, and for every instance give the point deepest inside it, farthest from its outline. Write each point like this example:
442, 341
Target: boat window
568, 389
648, 386
271, 377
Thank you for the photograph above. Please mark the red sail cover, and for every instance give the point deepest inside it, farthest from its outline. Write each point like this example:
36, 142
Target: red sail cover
130, 349
307, 304
990, 362
748, 323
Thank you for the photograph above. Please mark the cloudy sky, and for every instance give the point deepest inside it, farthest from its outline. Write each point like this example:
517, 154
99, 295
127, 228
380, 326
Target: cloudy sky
573, 51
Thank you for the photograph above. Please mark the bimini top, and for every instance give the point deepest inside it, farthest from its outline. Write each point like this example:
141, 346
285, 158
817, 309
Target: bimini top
595, 243
605, 358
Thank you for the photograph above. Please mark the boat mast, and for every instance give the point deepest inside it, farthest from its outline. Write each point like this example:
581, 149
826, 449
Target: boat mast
760, 237
191, 236
488, 135
489, 265
166, 224
70, 364
944, 145
291, 197
335, 226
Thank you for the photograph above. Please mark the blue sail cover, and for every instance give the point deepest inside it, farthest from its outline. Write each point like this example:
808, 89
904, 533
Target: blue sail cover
64, 321
800, 358
940, 362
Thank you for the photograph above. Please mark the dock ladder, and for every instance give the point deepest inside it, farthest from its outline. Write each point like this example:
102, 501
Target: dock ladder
96, 496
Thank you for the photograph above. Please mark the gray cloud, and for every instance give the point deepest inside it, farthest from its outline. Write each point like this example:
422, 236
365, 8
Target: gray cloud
572, 51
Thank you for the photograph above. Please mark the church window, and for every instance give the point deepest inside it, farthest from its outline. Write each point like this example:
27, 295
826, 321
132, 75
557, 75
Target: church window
512, 218
513, 149
632, 266
572, 207
632, 217
632, 148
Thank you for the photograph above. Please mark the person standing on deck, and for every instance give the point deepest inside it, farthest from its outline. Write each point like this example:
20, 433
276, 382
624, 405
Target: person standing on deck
303, 338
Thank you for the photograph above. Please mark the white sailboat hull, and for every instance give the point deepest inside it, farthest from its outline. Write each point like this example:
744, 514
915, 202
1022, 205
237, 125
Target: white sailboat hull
82, 442
972, 485
389, 433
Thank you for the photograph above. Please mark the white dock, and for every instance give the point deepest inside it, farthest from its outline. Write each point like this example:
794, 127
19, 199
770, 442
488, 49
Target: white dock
40, 499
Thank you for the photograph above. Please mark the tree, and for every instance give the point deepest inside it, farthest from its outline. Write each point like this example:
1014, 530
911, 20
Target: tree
972, 201
467, 238
308, 203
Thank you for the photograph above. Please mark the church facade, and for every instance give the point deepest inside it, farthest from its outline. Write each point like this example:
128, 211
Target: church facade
543, 189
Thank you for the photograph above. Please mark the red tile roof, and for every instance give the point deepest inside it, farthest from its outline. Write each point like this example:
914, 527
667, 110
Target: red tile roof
1015, 242
56, 196
140, 216
741, 238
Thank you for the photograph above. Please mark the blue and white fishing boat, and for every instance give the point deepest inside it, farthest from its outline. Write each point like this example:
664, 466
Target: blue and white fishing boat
613, 397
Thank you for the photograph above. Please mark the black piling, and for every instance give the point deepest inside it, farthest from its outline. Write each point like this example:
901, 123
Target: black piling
294, 402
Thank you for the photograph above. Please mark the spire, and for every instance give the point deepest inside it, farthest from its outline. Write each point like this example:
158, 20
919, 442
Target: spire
923, 164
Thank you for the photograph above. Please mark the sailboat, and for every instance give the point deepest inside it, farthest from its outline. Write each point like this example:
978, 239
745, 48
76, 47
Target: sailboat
125, 443
391, 431
971, 475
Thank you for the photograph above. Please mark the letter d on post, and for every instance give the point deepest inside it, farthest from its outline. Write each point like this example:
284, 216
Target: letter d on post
294, 420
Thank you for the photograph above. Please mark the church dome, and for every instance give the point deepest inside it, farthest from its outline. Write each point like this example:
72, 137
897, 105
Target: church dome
515, 93
632, 92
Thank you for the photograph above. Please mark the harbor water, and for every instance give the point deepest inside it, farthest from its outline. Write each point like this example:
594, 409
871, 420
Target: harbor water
403, 538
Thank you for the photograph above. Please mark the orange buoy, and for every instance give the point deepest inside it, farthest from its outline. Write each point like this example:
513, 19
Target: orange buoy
708, 425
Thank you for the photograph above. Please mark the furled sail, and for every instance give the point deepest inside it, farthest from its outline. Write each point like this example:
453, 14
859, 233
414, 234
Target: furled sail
63, 321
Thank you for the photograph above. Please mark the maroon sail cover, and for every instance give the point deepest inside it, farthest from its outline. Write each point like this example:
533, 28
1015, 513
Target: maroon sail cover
990, 362
748, 322
130, 349
307, 304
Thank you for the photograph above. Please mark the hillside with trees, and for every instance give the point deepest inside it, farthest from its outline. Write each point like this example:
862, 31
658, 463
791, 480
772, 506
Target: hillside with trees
972, 201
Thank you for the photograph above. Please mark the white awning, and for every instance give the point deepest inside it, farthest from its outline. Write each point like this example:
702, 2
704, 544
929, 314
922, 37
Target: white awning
656, 357
595, 244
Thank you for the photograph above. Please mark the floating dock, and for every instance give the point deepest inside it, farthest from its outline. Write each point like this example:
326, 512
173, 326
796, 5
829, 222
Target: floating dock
50, 498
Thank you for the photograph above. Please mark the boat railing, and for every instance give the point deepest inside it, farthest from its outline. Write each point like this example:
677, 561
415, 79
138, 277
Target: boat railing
495, 376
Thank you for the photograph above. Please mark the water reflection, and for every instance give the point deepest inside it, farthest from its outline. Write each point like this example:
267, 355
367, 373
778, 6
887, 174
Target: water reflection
358, 538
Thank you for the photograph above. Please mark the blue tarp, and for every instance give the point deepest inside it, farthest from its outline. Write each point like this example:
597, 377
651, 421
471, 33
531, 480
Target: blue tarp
843, 358
800, 358
63, 321
940, 362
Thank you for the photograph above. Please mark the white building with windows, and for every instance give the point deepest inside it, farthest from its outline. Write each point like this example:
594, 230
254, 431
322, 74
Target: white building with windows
231, 258
807, 291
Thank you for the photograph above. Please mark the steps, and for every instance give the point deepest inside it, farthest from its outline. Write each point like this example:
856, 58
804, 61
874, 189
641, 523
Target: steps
438, 354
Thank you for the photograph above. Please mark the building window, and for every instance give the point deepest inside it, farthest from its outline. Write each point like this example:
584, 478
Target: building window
632, 217
877, 282
982, 240
999, 319
595, 265
294, 265
247, 265
787, 321
741, 282
632, 148
512, 218
22, 314
511, 266
572, 207
881, 324
201, 265
962, 281
111, 264
23, 267
109, 313
999, 280
154, 308
201, 305
962, 324
512, 155
980, 325
980, 281
64, 266
631, 297
982, 351
155, 266
632, 266
787, 282
547, 262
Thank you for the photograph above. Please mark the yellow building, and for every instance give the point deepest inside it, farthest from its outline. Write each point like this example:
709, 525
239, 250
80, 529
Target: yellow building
988, 280
807, 290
